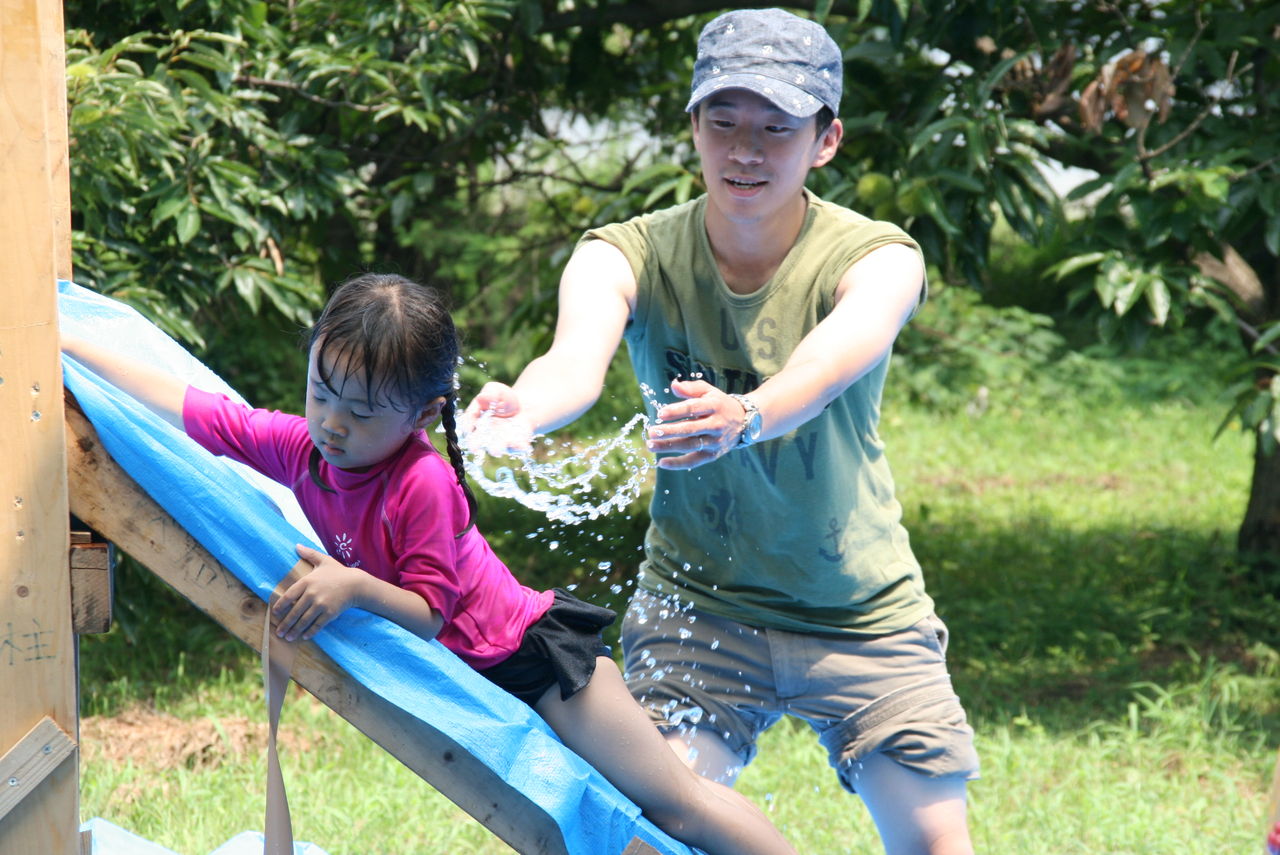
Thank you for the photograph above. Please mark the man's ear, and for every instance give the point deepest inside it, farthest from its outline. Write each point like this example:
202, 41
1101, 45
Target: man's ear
828, 143
429, 413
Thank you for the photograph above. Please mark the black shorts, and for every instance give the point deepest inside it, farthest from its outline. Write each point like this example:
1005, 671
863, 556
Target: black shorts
560, 647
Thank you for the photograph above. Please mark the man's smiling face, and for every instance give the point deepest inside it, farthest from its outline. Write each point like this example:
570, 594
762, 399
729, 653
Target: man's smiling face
755, 156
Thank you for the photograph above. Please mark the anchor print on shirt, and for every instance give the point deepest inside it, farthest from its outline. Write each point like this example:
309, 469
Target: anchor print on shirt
834, 530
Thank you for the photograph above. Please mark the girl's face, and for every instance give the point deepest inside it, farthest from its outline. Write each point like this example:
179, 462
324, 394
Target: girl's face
349, 432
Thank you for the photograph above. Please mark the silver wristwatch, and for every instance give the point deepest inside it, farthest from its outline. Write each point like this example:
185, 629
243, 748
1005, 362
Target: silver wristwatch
752, 425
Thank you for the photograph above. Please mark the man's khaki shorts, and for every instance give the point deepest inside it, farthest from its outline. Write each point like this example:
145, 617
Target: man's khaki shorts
861, 694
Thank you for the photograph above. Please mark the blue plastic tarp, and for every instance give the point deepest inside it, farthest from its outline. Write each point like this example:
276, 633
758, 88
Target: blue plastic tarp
251, 524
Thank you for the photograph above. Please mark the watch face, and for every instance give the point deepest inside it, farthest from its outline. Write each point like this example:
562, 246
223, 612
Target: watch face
754, 425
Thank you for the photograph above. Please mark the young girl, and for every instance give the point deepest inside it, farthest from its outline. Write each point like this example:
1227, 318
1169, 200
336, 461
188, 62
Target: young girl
397, 519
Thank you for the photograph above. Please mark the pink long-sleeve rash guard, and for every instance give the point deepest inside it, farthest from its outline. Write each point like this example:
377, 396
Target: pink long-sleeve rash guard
397, 520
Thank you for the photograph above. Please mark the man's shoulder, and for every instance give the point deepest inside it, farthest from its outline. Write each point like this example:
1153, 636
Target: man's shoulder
837, 213
830, 217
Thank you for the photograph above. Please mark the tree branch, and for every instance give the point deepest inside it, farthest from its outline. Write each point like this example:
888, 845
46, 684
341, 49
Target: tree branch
302, 93
1258, 167
1253, 333
1201, 26
647, 14
1144, 156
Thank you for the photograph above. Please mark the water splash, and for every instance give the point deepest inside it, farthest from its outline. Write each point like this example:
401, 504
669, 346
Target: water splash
569, 489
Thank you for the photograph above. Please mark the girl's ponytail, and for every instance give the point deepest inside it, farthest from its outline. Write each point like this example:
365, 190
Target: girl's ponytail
455, 457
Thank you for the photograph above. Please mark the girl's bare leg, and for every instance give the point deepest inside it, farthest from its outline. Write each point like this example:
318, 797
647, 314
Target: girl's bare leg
605, 726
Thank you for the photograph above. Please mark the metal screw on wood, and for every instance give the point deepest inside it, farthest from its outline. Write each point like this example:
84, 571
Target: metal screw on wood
13, 782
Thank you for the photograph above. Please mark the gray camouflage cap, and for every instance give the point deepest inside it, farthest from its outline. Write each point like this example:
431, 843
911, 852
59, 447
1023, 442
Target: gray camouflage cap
789, 60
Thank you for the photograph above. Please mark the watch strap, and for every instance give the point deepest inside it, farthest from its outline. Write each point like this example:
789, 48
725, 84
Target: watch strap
750, 423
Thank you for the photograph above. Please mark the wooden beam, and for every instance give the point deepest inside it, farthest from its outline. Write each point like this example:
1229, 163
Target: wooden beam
25, 766
91, 566
106, 498
37, 646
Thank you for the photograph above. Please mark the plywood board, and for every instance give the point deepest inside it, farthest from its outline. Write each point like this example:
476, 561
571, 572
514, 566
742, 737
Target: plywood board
37, 646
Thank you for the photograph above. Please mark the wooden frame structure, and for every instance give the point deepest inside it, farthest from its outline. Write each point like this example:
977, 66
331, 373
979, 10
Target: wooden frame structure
39, 772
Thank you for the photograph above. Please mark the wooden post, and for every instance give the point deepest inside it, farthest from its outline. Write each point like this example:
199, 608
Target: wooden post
38, 716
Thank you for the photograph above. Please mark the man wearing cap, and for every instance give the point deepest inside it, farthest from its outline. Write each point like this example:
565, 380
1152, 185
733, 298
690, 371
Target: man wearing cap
778, 579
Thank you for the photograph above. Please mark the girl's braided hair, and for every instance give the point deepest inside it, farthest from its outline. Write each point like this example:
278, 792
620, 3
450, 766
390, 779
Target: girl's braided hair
400, 334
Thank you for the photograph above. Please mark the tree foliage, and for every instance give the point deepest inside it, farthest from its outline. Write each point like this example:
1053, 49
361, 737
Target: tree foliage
1175, 107
232, 158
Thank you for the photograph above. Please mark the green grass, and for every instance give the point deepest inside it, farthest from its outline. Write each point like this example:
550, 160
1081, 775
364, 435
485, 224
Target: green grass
1119, 668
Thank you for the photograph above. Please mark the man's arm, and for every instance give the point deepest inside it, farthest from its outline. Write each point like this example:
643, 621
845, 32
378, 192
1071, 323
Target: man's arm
873, 301
597, 297
159, 390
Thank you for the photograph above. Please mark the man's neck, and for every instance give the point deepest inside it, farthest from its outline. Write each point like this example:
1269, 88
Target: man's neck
748, 254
